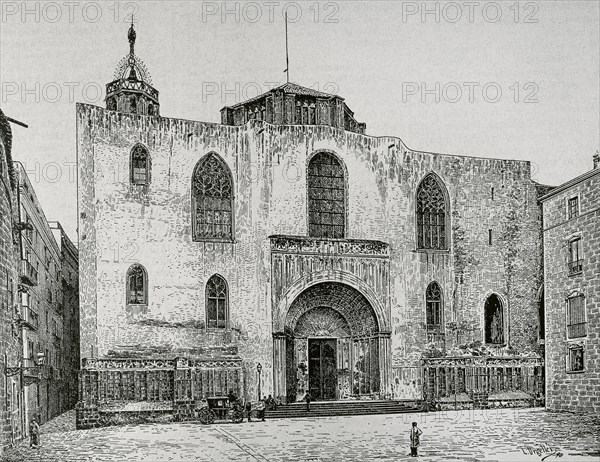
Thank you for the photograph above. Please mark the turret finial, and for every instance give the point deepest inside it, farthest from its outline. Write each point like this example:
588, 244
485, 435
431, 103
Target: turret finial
131, 37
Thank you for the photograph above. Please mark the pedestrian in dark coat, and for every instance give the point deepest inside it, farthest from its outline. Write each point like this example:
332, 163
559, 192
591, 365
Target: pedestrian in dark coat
248, 408
415, 433
308, 399
34, 433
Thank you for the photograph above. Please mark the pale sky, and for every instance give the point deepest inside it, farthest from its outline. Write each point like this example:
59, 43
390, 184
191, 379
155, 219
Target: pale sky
385, 58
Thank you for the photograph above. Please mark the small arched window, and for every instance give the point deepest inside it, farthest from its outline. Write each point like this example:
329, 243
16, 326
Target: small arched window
137, 285
432, 219
494, 320
433, 298
150, 109
212, 200
326, 197
216, 302
140, 165
133, 105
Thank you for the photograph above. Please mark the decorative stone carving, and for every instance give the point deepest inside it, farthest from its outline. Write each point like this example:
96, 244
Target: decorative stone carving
339, 247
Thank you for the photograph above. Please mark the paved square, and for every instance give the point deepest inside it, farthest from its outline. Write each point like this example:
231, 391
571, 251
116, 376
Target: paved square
503, 435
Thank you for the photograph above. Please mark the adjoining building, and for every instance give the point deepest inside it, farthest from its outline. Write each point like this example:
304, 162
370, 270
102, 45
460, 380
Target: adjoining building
47, 323
11, 397
39, 301
572, 292
285, 251
68, 304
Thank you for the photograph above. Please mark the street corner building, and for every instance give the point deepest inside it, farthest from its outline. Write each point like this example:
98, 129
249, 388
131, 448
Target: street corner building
287, 237
10, 334
572, 285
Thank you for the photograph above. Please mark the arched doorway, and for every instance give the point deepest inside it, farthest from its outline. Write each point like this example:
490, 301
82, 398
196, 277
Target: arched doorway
332, 344
494, 320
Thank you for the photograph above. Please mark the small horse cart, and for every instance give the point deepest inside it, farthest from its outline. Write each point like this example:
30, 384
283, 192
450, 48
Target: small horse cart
219, 407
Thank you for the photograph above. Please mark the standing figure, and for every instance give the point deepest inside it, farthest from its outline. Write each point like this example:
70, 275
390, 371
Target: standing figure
307, 398
34, 433
248, 408
262, 404
415, 433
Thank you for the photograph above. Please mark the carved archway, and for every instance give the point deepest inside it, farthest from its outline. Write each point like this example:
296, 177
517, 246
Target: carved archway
307, 281
332, 345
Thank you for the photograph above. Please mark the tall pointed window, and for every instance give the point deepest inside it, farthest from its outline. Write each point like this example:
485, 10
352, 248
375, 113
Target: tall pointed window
432, 212
140, 165
212, 200
326, 197
433, 304
494, 320
216, 302
137, 285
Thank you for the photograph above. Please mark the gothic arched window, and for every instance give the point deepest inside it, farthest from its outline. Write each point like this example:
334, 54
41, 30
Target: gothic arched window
434, 315
432, 211
150, 109
433, 297
212, 200
133, 105
140, 165
137, 285
216, 302
494, 320
326, 197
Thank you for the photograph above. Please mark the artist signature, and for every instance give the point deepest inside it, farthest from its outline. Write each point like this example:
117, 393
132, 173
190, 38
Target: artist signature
542, 449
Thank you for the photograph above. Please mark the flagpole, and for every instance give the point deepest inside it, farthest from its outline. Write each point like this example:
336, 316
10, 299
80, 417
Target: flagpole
287, 56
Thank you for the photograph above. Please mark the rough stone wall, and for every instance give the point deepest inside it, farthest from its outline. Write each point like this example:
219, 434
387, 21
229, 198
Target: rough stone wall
572, 391
10, 338
120, 225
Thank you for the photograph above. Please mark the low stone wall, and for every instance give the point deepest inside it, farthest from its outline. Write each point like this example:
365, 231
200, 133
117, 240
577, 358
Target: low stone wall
121, 391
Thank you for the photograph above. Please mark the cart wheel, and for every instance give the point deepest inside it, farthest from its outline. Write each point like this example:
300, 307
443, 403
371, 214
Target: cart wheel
207, 416
237, 416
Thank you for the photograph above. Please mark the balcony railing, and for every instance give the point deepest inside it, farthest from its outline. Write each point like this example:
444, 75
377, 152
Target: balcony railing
29, 274
575, 266
29, 318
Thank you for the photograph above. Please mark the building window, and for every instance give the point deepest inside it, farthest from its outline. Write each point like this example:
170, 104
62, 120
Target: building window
216, 302
489, 237
137, 285
575, 358
494, 320
576, 324
133, 104
433, 302
575, 256
431, 215
326, 197
573, 207
111, 104
434, 306
140, 165
212, 200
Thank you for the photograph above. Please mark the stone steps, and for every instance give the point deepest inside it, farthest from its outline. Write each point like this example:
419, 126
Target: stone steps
342, 408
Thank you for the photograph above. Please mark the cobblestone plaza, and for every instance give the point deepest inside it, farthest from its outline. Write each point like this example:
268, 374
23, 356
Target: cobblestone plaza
503, 435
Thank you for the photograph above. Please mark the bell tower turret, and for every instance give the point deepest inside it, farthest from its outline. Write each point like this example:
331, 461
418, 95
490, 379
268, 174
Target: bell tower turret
132, 89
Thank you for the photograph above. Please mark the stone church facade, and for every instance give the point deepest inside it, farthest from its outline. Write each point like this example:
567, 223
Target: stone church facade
287, 237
